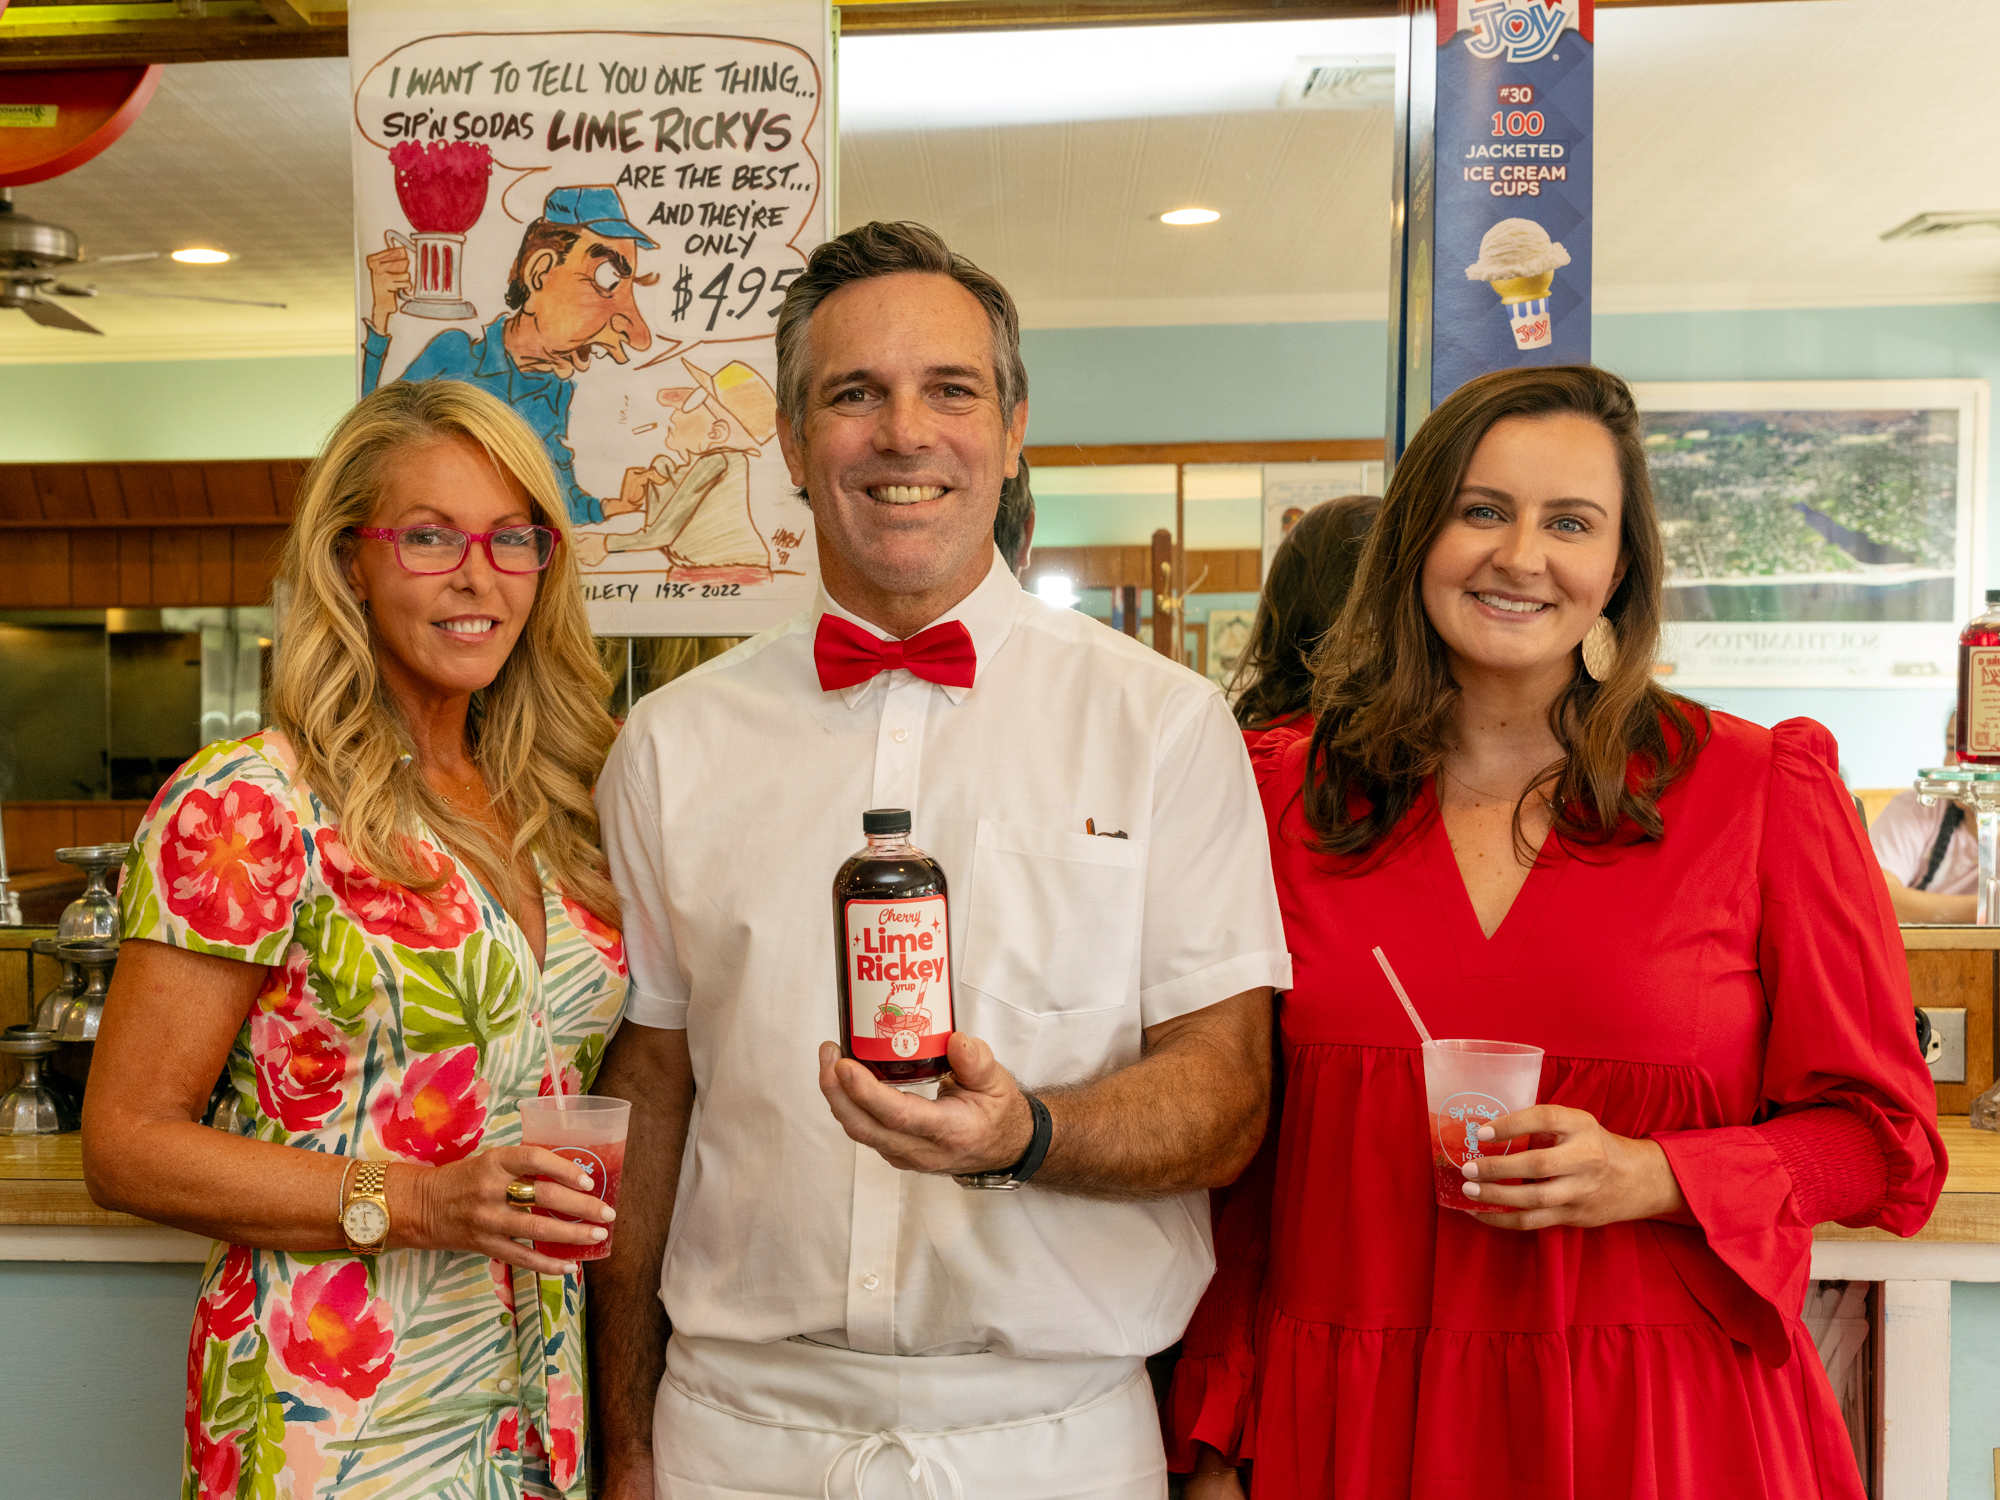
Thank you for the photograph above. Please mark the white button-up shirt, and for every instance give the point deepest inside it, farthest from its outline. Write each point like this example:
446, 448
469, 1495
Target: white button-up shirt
730, 800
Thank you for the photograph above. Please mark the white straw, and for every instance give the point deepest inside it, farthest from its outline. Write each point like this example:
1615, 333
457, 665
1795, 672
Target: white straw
555, 1066
1397, 985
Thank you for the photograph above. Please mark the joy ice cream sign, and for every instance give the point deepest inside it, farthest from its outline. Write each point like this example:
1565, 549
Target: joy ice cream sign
1501, 214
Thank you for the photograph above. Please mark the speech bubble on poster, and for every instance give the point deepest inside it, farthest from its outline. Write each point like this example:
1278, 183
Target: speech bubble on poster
708, 149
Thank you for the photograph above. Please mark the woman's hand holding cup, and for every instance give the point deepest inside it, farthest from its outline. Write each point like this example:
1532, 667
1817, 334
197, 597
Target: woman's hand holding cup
463, 1206
1575, 1172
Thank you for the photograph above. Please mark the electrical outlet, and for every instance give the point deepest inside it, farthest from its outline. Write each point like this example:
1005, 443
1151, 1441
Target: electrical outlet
1948, 1027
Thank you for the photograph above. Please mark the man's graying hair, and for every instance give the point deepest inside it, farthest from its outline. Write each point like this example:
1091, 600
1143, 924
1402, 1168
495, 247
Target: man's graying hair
880, 249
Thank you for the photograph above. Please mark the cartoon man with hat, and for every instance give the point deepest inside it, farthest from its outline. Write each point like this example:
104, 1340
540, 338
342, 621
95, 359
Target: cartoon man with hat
569, 295
697, 494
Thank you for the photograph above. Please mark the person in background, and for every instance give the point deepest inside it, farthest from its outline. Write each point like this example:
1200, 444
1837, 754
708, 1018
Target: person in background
878, 1292
1014, 522
1677, 906
1311, 572
381, 916
1929, 855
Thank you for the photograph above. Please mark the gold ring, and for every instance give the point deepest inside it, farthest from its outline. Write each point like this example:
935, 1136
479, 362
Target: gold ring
521, 1194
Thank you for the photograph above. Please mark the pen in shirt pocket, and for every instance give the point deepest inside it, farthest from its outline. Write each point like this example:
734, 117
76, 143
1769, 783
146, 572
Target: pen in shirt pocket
1090, 827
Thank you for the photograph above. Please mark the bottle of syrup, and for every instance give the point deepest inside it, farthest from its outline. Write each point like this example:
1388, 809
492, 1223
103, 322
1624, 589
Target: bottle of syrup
1977, 738
892, 940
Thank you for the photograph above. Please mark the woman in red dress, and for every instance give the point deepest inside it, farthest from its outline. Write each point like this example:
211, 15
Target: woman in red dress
1677, 905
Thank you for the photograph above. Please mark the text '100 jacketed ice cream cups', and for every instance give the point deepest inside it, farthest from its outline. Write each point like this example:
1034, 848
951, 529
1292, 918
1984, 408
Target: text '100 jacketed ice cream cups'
1468, 1084
1518, 260
589, 1130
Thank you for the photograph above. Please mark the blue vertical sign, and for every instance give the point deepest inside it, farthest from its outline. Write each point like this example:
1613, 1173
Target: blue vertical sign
1494, 195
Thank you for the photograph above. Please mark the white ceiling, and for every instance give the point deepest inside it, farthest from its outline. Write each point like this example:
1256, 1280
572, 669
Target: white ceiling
1748, 156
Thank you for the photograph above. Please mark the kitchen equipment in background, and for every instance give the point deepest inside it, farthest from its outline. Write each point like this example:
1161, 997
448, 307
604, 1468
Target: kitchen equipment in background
232, 667
79, 1020
49, 1013
41, 1103
93, 916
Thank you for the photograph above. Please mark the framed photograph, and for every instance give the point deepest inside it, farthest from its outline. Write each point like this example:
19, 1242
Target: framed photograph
1228, 635
1818, 533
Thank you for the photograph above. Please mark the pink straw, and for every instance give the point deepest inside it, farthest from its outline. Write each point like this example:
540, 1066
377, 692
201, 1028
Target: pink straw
1397, 985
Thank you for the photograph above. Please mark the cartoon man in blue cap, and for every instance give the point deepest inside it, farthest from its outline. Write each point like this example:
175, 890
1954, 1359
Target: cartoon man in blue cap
569, 294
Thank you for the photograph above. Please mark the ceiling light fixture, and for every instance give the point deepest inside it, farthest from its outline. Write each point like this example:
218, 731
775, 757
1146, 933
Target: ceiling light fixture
201, 257
1190, 216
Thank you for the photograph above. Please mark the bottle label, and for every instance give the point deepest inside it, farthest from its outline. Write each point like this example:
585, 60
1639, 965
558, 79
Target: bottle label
899, 978
1982, 700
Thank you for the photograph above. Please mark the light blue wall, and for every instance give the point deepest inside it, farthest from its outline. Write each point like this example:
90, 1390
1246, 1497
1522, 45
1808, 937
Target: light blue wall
1230, 382
1975, 1388
94, 1364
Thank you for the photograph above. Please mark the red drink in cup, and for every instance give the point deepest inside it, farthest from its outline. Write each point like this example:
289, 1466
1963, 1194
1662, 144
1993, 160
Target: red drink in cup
1467, 1085
589, 1130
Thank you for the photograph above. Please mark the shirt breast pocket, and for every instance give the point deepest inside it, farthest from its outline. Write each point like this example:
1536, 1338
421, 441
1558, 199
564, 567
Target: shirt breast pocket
1055, 919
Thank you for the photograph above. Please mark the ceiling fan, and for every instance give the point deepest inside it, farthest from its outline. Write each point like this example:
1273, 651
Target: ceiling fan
32, 254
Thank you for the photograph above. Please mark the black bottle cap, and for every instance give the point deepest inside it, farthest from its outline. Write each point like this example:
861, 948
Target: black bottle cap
1993, 596
884, 820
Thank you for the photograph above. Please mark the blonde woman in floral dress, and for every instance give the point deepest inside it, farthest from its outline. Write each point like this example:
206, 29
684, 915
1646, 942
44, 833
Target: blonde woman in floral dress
366, 914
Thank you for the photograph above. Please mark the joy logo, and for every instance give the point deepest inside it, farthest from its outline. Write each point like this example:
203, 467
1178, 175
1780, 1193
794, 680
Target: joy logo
1458, 1121
1521, 30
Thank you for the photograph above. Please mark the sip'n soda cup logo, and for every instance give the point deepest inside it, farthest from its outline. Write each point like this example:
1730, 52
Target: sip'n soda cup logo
1522, 31
1458, 1122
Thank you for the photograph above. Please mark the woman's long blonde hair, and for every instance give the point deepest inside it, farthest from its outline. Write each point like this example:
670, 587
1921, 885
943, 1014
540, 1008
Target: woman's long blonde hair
539, 732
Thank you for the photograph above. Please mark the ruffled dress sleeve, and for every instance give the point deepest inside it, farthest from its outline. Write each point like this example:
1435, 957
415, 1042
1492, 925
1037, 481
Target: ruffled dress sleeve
1210, 1399
219, 862
1847, 1128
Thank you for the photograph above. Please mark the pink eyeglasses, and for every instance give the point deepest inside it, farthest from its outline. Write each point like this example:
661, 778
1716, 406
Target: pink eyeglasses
440, 549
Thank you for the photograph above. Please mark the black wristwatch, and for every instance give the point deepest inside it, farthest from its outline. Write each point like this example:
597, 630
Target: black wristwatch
1009, 1178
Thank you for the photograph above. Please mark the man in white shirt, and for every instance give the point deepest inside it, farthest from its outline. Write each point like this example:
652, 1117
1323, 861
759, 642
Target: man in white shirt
843, 1312
1929, 855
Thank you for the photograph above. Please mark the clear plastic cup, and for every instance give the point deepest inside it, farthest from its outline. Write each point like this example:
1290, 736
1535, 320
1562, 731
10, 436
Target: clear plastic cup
589, 1130
1468, 1084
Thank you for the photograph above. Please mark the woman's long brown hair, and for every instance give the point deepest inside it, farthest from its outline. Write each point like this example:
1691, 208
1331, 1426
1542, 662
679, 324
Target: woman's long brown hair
1384, 696
1311, 573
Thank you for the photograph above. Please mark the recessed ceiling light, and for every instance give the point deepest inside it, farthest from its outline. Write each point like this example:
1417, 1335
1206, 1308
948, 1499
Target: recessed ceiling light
1190, 216
201, 257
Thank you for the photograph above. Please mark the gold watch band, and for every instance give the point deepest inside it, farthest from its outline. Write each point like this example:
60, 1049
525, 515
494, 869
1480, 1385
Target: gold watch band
370, 1182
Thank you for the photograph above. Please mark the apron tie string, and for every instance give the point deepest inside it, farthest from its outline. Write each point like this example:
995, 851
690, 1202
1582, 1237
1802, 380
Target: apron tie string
865, 1449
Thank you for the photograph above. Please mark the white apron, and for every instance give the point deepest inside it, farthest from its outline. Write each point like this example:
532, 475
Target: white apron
801, 1421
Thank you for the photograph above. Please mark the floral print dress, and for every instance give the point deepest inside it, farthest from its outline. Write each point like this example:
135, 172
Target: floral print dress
394, 1026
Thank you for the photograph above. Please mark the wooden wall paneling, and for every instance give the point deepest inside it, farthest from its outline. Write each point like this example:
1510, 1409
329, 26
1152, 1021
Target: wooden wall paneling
100, 823
93, 569
253, 562
62, 492
135, 568
39, 576
106, 490
286, 476
35, 833
1960, 979
217, 576
190, 487
130, 816
17, 494
240, 491
176, 566
149, 491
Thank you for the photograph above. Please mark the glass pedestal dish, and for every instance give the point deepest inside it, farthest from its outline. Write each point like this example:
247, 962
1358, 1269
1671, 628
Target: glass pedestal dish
41, 1103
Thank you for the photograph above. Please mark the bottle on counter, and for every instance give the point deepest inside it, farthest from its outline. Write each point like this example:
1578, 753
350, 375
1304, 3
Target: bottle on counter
1977, 740
892, 939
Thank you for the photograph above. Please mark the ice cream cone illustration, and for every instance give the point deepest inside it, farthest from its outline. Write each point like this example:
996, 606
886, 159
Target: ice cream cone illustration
1518, 260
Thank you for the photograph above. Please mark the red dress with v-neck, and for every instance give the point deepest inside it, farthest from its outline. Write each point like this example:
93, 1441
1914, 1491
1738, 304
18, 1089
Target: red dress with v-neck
1688, 989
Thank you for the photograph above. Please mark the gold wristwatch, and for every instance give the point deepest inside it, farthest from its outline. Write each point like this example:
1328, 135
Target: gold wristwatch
364, 1216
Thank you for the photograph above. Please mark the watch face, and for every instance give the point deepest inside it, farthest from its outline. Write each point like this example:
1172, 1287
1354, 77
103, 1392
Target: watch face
365, 1221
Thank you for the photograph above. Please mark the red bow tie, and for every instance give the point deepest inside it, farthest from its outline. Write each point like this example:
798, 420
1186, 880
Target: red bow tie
846, 654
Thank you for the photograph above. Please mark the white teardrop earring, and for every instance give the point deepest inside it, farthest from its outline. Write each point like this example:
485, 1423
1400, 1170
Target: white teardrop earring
1600, 648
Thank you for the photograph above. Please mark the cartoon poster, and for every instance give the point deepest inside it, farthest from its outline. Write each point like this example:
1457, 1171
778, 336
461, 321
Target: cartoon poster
593, 211
1512, 222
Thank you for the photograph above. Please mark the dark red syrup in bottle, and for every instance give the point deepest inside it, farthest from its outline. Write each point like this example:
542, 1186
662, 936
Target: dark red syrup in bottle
892, 943
1977, 735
